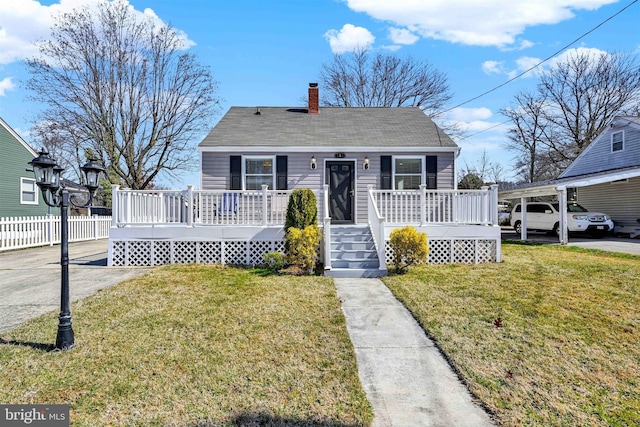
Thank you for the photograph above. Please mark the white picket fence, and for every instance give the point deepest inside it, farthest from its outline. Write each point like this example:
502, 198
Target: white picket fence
26, 232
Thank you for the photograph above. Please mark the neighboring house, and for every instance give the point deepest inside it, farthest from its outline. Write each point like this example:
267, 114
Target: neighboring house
372, 169
605, 177
18, 190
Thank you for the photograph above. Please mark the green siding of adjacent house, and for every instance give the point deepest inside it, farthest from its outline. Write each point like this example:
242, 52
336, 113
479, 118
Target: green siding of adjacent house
14, 159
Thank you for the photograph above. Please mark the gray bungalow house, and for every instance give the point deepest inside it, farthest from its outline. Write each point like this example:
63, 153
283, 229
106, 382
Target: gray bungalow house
605, 177
372, 170
18, 190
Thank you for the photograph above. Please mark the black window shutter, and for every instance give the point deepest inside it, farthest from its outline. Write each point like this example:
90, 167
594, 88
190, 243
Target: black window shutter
385, 172
432, 172
281, 172
235, 168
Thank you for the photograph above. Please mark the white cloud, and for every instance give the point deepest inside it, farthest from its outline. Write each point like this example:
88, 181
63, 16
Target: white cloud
470, 22
349, 38
524, 44
525, 63
5, 85
402, 36
466, 114
493, 67
24, 22
470, 120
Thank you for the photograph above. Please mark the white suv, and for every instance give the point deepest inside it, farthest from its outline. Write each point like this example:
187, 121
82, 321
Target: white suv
543, 216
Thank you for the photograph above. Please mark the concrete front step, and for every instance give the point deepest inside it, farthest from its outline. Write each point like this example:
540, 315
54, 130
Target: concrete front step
350, 246
354, 254
342, 263
350, 273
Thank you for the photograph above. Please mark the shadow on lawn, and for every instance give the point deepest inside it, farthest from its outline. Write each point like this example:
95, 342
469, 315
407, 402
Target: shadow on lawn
259, 419
33, 345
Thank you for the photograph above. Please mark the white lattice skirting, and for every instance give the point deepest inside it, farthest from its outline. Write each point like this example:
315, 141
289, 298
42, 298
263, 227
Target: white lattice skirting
456, 251
161, 252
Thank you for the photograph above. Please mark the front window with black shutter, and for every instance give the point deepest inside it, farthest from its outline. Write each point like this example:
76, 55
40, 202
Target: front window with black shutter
259, 171
408, 172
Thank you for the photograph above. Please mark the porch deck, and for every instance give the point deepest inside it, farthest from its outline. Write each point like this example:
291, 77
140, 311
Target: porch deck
159, 227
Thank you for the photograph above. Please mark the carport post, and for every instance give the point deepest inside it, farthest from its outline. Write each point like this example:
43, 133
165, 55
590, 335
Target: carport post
523, 218
563, 232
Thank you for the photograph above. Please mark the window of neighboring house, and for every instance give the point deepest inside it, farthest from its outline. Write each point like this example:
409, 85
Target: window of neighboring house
258, 171
28, 191
408, 172
617, 141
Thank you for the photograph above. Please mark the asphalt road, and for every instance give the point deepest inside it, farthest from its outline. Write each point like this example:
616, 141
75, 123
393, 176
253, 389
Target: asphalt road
30, 279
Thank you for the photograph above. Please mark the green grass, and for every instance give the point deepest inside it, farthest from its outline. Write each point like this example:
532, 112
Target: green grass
195, 345
549, 337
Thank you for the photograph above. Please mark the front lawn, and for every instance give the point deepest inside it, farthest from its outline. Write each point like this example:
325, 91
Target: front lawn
549, 337
195, 345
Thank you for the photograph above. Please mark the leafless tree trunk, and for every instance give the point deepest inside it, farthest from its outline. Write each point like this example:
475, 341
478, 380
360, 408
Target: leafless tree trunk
124, 89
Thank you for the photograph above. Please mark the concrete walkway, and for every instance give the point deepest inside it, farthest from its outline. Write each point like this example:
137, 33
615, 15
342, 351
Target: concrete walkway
406, 379
30, 279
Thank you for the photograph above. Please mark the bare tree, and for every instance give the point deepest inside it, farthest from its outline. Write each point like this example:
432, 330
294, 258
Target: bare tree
572, 104
483, 172
361, 79
124, 88
528, 136
584, 92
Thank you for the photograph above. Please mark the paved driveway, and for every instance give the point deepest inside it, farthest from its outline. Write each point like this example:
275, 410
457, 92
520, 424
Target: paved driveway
30, 279
613, 244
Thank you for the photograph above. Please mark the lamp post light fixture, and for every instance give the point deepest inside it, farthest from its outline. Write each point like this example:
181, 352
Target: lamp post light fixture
47, 173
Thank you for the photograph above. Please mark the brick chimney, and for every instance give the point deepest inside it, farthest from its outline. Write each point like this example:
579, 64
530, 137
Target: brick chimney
314, 102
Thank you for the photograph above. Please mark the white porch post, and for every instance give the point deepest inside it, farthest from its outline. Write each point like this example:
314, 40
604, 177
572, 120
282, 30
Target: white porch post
562, 208
190, 205
326, 228
115, 208
265, 194
493, 205
485, 209
423, 204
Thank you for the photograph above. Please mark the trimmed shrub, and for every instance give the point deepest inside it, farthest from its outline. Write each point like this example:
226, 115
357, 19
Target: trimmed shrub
409, 247
303, 247
275, 261
302, 209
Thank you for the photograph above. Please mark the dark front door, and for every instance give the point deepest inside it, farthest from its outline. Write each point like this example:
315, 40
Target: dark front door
340, 177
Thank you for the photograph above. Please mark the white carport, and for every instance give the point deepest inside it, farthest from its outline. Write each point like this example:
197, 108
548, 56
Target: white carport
558, 187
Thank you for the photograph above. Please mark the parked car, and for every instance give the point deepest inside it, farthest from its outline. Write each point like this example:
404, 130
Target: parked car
543, 216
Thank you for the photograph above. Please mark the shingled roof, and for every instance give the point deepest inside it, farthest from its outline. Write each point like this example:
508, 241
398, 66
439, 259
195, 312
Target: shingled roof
332, 127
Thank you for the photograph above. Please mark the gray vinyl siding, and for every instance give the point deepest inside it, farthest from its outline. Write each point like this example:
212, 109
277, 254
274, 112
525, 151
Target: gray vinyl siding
599, 156
620, 200
215, 171
216, 174
14, 159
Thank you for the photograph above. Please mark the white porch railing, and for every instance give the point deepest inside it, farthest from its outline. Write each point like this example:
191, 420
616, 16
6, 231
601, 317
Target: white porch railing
202, 207
376, 225
25, 232
268, 207
437, 206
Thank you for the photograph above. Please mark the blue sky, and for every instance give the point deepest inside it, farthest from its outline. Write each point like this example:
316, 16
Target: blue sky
264, 53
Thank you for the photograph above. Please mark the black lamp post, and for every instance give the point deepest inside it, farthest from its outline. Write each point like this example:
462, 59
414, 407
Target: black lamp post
47, 174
